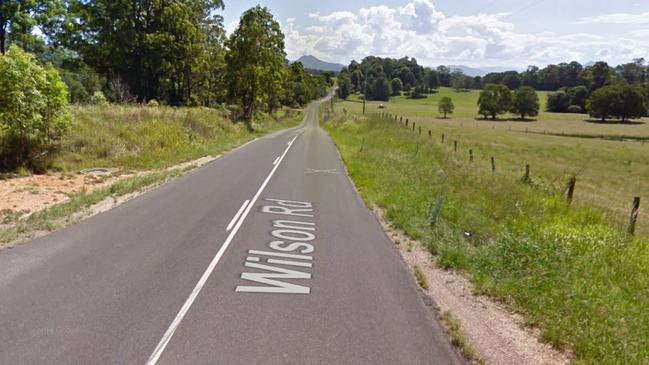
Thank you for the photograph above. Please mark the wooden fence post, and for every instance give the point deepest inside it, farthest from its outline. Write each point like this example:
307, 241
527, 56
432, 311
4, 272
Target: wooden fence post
454, 146
442, 137
406, 122
526, 177
571, 189
437, 212
634, 214
413, 126
470, 155
430, 134
400, 119
493, 164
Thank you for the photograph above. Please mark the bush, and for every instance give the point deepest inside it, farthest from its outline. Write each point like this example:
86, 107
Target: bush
153, 103
33, 110
98, 98
558, 102
575, 109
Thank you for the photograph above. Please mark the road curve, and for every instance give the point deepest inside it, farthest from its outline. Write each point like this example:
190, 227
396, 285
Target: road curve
265, 256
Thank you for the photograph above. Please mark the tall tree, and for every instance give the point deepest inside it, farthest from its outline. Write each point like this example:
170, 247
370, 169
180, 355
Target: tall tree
155, 46
19, 17
493, 100
255, 59
525, 102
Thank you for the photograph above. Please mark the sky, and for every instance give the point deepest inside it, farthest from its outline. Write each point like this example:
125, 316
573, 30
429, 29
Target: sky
475, 33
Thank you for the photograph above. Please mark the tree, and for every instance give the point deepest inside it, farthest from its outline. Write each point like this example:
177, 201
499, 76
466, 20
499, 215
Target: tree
446, 106
155, 46
418, 92
19, 17
578, 96
558, 102
494, 99
621, 101
381, 89
598, 75
525, 102
458, 80
344, 86
397, 86
255, 59
34, 108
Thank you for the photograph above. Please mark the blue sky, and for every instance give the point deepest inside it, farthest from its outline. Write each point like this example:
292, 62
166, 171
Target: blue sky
479, 33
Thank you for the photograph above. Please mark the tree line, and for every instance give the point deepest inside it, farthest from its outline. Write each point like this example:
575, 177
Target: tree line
172, 52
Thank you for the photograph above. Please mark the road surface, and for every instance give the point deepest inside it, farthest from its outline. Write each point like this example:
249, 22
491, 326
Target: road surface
265, 256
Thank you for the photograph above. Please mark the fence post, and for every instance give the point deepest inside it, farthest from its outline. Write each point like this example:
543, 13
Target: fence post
470, 155
493, 164
526, 177
634, 214
571, 189
406, 122
442, 137
420, 130
413, 126
430, 134
437, 212
454, 146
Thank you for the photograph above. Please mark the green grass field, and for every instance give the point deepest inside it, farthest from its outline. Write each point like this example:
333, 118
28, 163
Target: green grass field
609, 173
583, 281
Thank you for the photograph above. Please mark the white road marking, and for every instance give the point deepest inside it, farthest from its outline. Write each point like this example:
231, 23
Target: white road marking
236, 216
155, 356
277, 159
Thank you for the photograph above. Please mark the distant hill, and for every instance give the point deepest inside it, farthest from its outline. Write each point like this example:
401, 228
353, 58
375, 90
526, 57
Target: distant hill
472, 71
313, 63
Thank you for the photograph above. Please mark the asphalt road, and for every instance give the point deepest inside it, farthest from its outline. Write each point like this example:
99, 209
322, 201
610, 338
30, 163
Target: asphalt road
190, 273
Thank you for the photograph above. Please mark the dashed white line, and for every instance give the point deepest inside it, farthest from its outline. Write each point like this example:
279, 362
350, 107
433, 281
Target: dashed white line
236, 216
155, 356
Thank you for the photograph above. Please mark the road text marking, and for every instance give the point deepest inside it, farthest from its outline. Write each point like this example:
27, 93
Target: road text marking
293, 236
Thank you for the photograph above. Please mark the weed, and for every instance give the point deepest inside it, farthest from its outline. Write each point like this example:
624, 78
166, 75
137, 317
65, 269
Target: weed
421, 277
458, 338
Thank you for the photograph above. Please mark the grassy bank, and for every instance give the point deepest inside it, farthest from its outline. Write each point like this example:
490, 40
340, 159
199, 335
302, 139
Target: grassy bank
139, 137
571, 272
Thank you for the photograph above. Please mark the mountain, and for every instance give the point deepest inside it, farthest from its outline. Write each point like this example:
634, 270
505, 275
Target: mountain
471, 71
313, 63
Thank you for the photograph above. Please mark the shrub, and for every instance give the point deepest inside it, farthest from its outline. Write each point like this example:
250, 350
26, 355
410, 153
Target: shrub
33, 109
153, 103
558, 102
575, 109
98, 98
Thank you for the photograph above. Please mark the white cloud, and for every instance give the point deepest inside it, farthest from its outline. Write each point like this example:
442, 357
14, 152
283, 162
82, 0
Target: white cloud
617, 18
417, 29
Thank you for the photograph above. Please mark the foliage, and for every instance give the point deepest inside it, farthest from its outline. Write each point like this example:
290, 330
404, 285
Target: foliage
418, 92
301, 87
397, 86
621, 101
381, 89
255, 61
33, 114
19, 17
344, 86
494, 100
155, 47
558, 102
446, 106
98, 98
525, 102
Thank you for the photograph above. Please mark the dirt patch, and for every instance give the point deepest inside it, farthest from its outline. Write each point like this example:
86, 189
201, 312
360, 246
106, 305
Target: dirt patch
497, 335
22, 196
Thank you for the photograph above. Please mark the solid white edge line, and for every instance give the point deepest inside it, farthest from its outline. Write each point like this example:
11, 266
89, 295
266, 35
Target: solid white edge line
155, 356
236, 216
276, 160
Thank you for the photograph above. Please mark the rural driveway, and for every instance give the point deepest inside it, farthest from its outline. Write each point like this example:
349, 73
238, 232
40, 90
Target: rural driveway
265, 256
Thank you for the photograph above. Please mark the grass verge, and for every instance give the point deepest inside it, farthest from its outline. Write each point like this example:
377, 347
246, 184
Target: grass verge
569, 271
